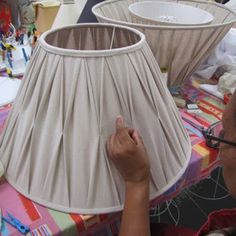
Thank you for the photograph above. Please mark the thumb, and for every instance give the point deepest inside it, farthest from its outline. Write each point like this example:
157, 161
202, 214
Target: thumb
120, 124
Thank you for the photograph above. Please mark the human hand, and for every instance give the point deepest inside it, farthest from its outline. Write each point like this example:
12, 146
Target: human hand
127, 151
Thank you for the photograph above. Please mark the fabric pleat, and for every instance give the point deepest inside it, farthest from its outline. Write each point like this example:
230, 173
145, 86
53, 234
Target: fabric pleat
179, 50
53, 147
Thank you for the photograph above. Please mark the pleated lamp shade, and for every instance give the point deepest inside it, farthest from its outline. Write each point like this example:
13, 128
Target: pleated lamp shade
179, 50
79, 79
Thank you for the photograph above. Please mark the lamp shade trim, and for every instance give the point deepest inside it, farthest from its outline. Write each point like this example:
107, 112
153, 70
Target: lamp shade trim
93, 211
91, 53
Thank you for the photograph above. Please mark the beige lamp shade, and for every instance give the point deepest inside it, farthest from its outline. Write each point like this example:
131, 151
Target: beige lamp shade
78, 80
179, 50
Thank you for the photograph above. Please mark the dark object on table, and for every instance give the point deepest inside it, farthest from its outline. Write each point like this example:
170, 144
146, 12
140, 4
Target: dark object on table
87, 15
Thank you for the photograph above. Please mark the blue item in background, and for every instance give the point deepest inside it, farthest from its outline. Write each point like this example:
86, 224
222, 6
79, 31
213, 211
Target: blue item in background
24, 229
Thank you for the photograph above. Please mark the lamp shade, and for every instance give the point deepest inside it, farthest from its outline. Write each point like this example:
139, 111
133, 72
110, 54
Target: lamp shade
79, 79
169, 13
179, 50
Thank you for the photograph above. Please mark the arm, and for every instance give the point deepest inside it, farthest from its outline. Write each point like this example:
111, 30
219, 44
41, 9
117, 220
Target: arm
135, 218
127, 151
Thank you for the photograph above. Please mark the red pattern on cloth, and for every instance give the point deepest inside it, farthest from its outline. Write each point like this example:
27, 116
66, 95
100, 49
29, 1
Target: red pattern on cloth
162, 229
221, 219
5, 17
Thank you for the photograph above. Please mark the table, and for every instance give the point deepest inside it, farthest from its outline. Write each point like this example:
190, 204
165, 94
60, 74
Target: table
44, 221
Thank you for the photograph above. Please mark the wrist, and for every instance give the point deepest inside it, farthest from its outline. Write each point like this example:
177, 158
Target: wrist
137, 184
138, 189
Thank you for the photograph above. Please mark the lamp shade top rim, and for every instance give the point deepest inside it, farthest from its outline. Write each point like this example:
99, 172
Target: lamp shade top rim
138, 42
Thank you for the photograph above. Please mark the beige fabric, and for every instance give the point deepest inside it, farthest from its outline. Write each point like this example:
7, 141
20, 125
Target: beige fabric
1, 169
177, 49
53, 145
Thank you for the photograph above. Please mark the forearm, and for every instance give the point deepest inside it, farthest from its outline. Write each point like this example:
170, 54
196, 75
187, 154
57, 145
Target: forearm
135, 217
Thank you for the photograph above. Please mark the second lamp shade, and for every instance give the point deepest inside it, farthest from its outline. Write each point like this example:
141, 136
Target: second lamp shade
78, 80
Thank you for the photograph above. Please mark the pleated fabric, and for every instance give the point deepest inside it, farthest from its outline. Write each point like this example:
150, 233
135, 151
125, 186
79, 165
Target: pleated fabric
179, 50
78, 80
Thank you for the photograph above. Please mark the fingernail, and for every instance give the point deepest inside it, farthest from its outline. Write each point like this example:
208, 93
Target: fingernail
119, 118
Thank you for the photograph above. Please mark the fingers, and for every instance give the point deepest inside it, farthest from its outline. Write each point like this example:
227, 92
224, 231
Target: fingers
112, 145
123, 138
127, 134
120, 140
122, 133
137, 138
120, 124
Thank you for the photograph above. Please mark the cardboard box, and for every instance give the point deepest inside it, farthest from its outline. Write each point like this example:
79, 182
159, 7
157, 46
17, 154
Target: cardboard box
45, 13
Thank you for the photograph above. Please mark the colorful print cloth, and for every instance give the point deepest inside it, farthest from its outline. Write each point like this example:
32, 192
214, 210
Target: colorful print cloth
44, 221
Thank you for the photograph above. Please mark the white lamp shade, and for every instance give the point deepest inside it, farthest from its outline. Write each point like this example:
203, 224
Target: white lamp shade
179, 50
169, 13
53, 145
